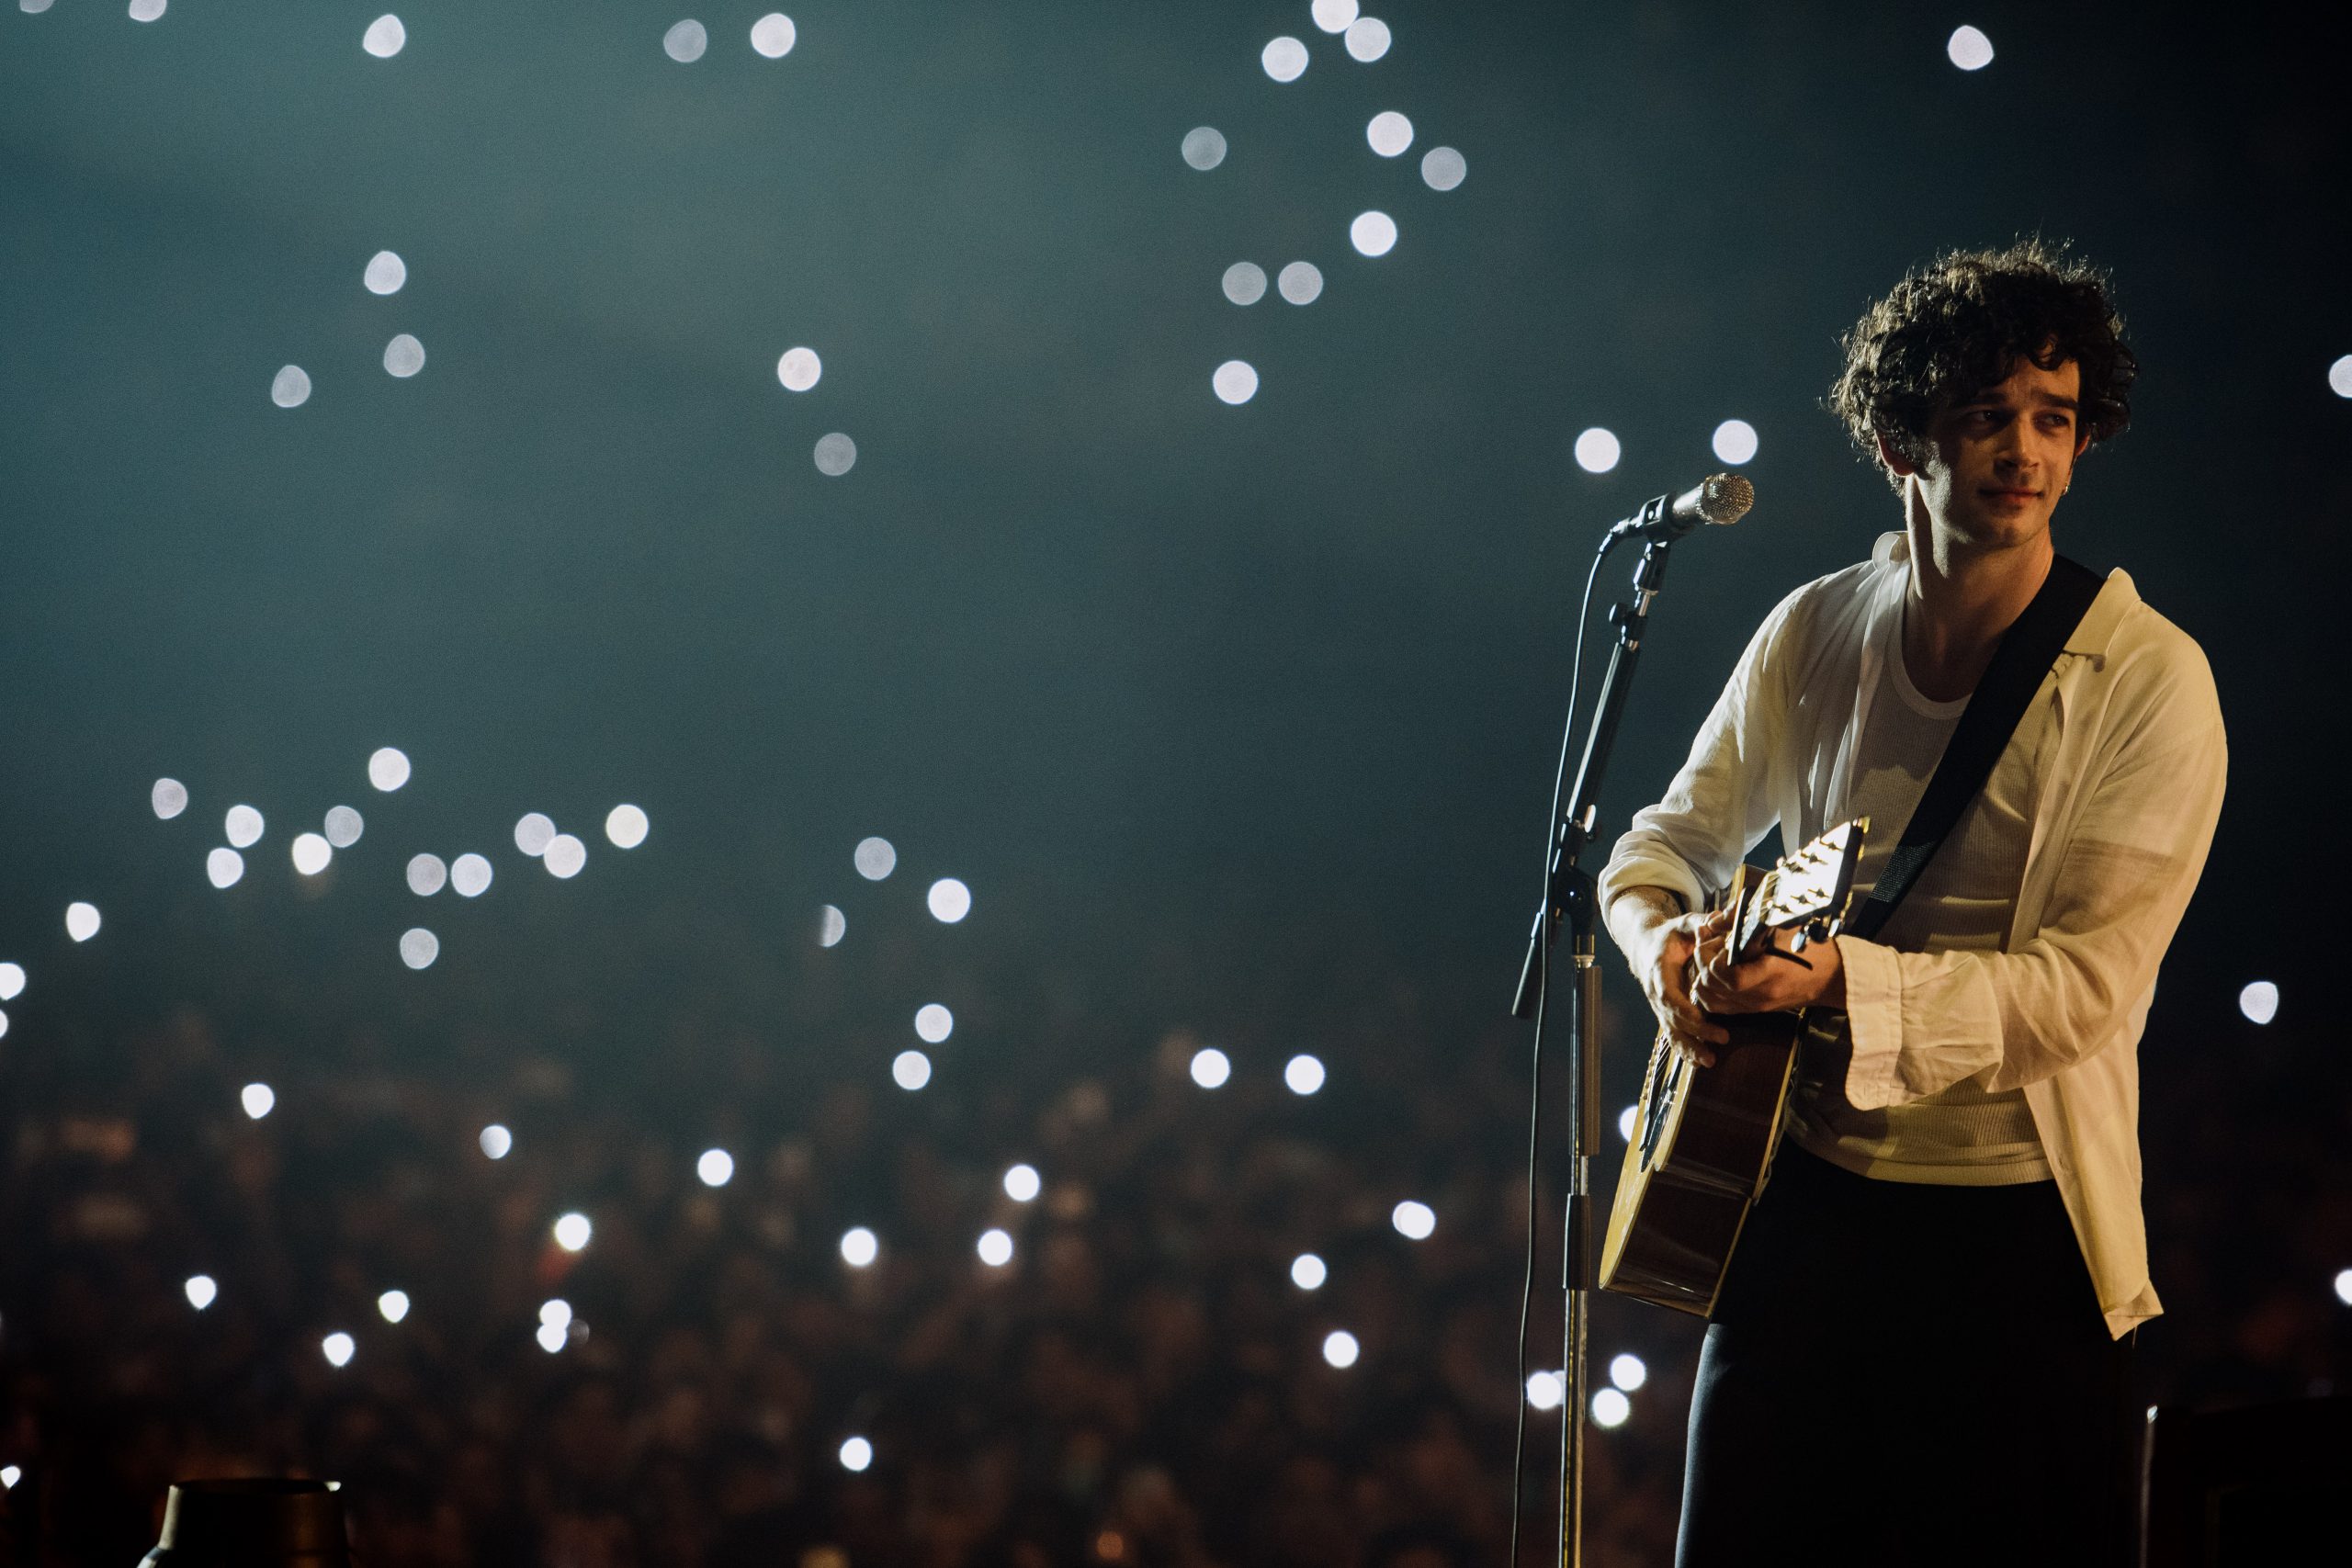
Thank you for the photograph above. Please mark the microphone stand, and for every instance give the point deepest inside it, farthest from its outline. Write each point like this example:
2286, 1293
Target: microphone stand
1568, 899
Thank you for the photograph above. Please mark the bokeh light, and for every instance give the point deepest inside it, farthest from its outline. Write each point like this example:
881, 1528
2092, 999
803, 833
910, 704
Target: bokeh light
1340, 1348
1414, 1220
1284, 58
1443, 168
1735, 441
1368, 39
1333, 16
1546, 1391
799, 370
1308, 1272
856, 1453
2344, 1286
383, 39
147, 10
934, 1023
1022, 1183
564, 856
311, 853
241, 827
12, 981
2340, 376
1389, 133
1211, 1068
949, 900
344, 827
836, 455
1628, 1372
222, 867
995, 1247
573, 1231
386, 272
716, 1167
496, 1142
258, 1099
1303, 1074
1597, 451
556, 1313
1970, 48
419, 947
1372, 233
393, 1304
626, 826
426, 874
202, 1291
403, 356
859, 1246
533, 829
1236, 381
773, 35
910, 1070
291, 388
552, 1336
82, 921
831, 926
470, 876
1204, 147
169, 797
388, 768
2259, 1001
1301, 283
685, 41
875, 859
1610, 1408
1244, 283
1625, 1119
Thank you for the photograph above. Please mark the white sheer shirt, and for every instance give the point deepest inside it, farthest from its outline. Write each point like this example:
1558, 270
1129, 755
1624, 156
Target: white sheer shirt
2130, 760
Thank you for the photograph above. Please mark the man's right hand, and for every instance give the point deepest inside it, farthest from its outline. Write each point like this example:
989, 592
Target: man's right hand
1660, 943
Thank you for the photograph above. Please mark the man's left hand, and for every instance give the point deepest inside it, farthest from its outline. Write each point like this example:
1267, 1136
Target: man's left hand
1779, 979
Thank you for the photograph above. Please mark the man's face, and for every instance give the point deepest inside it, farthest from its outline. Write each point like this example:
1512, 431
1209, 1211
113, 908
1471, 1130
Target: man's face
1997, 461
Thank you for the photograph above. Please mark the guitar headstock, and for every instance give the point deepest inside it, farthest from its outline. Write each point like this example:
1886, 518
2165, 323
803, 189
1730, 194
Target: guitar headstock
1808, 891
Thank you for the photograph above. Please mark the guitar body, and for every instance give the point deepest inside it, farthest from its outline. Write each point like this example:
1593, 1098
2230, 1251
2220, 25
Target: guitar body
1705, 1137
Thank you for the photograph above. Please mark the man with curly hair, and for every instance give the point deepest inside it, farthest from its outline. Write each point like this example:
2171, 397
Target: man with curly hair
1919, 1352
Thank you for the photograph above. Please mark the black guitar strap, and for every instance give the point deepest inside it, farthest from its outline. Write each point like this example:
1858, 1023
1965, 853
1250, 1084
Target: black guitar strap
2028, 649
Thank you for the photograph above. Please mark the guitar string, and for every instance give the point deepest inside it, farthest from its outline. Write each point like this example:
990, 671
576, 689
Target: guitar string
1535, 1061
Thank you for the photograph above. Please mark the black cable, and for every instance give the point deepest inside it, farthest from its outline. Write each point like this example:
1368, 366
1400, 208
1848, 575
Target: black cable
1535, 1057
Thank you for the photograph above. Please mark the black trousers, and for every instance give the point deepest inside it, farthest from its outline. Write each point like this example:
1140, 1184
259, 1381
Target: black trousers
1904, 1374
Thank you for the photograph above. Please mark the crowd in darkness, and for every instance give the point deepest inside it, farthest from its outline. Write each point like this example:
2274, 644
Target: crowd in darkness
1143, 1384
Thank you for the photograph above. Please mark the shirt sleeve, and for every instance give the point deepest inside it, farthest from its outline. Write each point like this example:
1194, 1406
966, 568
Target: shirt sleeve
1923, 1021
1719, 805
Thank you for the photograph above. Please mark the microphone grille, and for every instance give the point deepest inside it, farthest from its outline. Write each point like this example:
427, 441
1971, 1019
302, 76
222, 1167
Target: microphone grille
1725, 498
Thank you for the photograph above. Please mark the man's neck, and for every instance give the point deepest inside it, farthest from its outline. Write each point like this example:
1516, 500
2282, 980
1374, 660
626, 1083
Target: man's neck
1961, 598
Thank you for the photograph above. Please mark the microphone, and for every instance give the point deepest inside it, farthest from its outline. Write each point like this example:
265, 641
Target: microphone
1719, 499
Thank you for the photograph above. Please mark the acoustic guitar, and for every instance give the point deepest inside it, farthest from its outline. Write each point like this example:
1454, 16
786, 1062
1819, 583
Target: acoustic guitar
1704, 1137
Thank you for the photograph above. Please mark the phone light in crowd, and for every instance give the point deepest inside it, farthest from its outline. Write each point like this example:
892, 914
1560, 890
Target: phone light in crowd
1626, 1123
950, 900
388, 768
2259, 1001
910, 1070
81, 921
859, 1246
1969, 49
338, 1349
933, 1024
202, 1291
573, 1231
1415, 1221
393, 1304
1610, 1408
258, 1099
1211, 1068
716, 1167
1022, 1183
1546, 1391
12, 981
626, 826
1303, 1074
1340, 1348
1598, 450
1628, 1372
857, 1454
1307, 1271
996, 1247
311, 852
496, 1141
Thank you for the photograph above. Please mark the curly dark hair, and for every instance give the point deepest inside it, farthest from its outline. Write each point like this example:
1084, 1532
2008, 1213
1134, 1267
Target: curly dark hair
1962, 322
